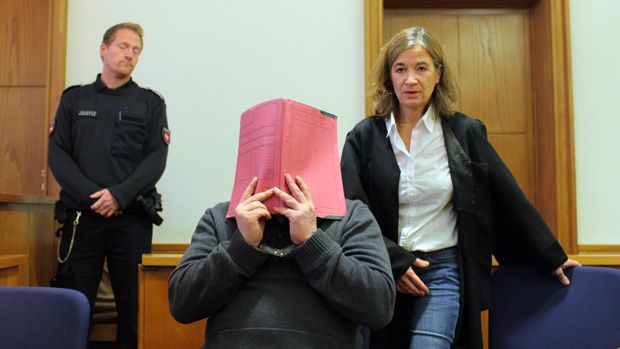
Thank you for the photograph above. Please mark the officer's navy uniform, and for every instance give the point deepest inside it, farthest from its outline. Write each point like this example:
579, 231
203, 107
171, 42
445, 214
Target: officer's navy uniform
115, 139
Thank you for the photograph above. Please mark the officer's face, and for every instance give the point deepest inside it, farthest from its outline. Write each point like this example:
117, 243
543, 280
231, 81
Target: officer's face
121, 56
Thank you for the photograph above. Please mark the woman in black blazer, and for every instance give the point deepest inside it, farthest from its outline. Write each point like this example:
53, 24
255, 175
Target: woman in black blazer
444, 199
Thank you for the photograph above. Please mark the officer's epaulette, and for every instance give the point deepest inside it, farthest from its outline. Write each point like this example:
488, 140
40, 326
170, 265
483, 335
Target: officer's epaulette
70, 88
155, 93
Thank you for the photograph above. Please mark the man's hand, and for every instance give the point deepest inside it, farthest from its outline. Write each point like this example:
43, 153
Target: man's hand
251, 214
410, 282
559, 272
299, 209
106, 205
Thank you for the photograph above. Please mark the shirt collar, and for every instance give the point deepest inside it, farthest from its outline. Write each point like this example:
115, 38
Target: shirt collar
101, 87
390, 125
429, 120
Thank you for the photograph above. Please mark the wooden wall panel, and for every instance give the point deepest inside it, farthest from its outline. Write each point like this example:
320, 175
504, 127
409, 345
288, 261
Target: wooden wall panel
9, 276
554, 127
22, 140
512, 148
157, 328
14, 270
42, 248
444, 27
23, 43
494, 72
13, 232
32, 59
56, 72
28, 229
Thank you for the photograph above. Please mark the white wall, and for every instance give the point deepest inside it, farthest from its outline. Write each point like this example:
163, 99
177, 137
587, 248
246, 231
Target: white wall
213, 59
595, 44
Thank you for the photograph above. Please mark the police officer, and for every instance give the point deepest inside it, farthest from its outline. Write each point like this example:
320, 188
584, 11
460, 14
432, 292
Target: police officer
107, 148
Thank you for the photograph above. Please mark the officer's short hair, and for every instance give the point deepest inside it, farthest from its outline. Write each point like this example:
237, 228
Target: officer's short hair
109, 34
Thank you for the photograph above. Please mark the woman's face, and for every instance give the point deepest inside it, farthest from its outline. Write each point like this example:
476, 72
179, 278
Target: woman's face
414, 78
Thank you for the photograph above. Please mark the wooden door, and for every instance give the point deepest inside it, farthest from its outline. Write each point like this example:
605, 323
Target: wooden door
23, 78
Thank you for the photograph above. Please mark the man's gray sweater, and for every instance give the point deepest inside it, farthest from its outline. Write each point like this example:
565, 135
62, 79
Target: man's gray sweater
315, 297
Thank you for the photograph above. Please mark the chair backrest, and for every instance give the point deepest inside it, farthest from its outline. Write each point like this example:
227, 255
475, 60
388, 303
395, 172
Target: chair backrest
532, 310
43, 317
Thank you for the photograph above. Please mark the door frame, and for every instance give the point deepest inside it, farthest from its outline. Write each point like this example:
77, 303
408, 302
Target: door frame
551, 91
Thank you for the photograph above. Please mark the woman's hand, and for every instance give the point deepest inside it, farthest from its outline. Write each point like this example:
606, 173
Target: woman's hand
559, 272
410, 282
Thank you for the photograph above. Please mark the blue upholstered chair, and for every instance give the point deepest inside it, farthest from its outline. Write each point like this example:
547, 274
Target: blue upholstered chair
43, 317
531, 310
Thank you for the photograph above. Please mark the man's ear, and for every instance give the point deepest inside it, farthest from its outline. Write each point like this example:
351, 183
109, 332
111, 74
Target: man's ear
102, 48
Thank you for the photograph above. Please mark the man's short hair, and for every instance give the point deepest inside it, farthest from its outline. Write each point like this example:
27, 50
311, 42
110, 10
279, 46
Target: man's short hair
109, 34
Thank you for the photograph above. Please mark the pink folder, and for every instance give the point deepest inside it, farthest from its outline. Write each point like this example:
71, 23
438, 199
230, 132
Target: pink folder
283, 136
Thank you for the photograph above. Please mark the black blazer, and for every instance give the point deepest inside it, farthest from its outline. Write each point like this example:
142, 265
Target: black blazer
493, 217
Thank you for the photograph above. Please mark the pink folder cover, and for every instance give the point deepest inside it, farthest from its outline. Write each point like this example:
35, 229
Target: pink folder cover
283, 136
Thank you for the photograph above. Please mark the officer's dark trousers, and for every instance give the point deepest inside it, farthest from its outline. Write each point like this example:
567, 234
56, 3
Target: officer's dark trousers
122, 239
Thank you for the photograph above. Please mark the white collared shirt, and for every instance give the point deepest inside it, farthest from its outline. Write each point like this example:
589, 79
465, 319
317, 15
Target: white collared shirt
426, 218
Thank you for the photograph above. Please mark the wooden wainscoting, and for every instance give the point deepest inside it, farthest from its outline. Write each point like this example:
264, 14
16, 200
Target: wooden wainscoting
14, 270
27, 228
156, 327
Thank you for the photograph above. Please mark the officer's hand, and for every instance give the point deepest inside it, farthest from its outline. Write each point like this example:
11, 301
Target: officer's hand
251, 214
106, 205
299, 209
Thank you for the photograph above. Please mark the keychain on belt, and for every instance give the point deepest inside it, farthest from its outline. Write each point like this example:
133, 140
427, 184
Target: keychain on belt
76, 221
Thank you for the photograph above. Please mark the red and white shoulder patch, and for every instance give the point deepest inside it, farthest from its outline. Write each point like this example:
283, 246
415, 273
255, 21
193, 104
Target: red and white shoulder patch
165, 135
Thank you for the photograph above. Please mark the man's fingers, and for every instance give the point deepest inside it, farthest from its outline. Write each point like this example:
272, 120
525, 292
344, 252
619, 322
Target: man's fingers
257, 209
264, 195
97, 205
304, 188
249, 190
295, 191
285, 211
290, 201
260, 213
